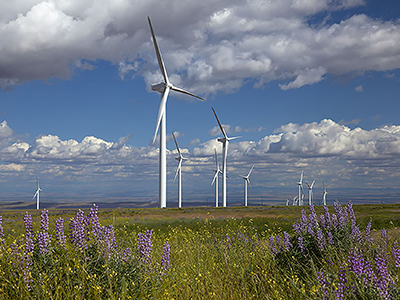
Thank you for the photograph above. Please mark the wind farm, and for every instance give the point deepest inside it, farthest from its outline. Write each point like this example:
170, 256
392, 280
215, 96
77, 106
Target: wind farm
298, 99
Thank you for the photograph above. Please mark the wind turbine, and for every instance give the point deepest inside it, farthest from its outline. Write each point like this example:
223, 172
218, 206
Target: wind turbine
247, 181
310, 193
324, 193
295, 200
163, 88
217, 171
300, 184
225, 142
38, 190
178, 172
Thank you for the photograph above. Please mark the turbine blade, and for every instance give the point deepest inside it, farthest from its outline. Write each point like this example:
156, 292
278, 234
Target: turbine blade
158, 53
251, 190
161, 111
177, 169
251, 170
219, 123
216, 158
176, 89
35, 194
312, 184
234, 138
177, 147
215, 177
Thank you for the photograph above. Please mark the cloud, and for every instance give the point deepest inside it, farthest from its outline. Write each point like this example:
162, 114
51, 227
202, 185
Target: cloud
359, 88
208, 47
355, 122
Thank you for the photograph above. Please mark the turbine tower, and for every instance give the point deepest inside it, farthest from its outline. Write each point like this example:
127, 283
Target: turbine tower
300, 185
247, 181
163, 88
225, 142
38, 190
310, 193
324, 193
178, 172
217, 171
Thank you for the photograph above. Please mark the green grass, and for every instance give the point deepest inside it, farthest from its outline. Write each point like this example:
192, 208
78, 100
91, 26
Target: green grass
215, 254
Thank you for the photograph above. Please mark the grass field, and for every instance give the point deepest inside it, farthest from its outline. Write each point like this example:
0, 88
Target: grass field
202, 253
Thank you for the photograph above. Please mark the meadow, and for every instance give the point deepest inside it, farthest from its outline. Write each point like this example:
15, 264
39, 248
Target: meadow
270, 252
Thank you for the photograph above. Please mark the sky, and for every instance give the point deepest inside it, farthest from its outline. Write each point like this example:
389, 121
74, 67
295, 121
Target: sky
308, 85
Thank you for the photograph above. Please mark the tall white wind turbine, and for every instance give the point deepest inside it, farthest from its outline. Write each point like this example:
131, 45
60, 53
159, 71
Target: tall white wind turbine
38, 190
225, 142
247, 182
300, 185
324, 193
178, 172
163, 88
217, 171
310, 193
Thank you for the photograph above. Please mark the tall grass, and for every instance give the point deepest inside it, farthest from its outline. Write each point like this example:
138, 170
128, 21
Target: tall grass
199, 258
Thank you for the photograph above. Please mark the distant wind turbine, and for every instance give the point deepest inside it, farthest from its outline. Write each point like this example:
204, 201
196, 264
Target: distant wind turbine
225, 142
38, 190
295, 200
163, 88
217, 171
310, 193
178, 172
247, 181
300, 185
324, 193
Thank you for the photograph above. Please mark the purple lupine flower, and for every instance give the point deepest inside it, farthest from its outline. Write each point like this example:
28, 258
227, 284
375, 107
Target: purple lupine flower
330, 238
350, 211
370, 276
278, 242
324, 285
313, 218
368, 231
228, 239
356, 234
287, 244
126, 254
327, 217
383, 277
301, 246
77, 230
303, 220
108, 241
94, 221
272, 247
296, 228
310, 230
43, 236
320, 240
342, 284
356, 262
27, 256
165, 256
322, 221
396, 254
60, 236
334, 221
145, 246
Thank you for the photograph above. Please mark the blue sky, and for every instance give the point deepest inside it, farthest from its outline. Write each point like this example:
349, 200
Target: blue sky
309, 85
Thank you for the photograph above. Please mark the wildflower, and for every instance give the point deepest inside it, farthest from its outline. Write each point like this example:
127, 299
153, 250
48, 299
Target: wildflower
383, 277
43, 237
60, 237
368, 231
396, 254
320, 240
327, 217
341, 286
1, 230
287, 243
324, 285
301, 246
330, 238
384, 239
165, 256
274, 251
356, 262
145, 246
